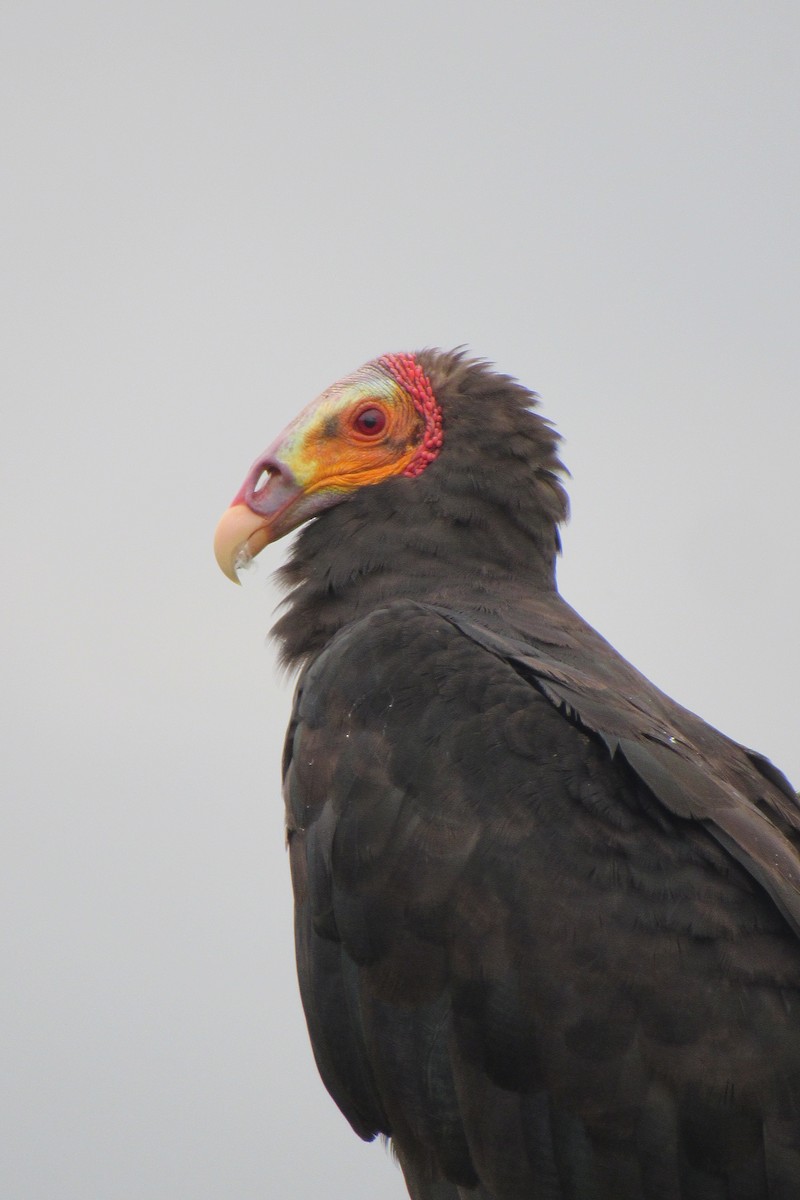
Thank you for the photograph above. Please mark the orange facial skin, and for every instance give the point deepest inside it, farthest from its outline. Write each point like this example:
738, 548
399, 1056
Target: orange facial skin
359, 432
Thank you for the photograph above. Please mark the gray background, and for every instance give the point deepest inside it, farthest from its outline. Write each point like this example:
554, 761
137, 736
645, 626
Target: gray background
210, 212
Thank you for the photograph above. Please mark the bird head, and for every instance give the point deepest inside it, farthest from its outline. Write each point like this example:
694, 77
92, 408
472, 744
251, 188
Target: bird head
381, 421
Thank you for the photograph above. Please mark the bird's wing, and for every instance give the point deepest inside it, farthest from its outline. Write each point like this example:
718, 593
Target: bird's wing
745, 802
520, 952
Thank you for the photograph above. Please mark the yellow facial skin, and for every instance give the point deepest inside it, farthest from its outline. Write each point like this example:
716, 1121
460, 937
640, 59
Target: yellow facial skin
359, 432
324, 448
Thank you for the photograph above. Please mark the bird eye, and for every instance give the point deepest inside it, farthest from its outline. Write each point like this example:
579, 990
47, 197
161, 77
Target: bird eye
370, 421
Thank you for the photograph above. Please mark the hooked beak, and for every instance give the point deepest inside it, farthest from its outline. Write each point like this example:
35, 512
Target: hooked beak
263, 510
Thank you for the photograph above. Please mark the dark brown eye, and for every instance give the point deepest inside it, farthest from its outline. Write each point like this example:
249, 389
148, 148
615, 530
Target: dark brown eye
370, 422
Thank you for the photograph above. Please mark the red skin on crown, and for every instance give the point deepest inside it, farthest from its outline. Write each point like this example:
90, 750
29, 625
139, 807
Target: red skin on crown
405, 369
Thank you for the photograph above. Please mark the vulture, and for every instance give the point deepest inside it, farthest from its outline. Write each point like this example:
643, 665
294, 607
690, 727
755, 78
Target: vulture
547, 920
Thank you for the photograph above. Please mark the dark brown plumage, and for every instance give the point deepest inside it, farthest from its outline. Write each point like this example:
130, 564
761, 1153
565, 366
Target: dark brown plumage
547, 920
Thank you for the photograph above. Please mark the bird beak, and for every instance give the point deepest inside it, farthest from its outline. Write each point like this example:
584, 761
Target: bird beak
263, 510
239, 537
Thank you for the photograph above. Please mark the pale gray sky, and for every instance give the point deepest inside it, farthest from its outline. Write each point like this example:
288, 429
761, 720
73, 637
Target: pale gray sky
210, 212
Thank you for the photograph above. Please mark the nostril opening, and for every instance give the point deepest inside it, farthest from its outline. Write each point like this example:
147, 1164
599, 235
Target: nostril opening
263, 479
265, 486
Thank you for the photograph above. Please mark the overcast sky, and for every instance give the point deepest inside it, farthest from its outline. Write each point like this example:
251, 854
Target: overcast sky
210, 212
